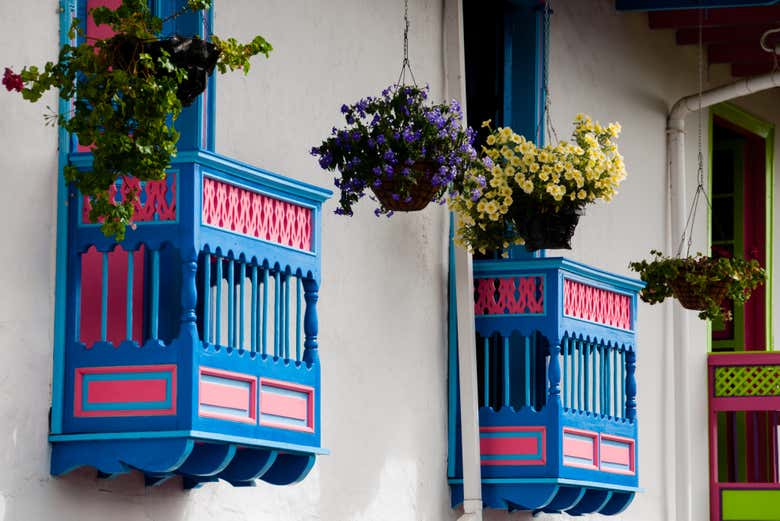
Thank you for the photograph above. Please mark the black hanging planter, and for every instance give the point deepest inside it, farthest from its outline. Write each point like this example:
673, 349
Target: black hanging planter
196, 56
543, 227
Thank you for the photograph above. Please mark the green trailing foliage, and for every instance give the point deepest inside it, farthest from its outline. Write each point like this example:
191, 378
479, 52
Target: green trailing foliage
124, 101
701, 275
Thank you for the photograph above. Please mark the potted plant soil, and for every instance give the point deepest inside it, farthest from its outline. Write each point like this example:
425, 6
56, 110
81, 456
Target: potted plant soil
520, 193
125, 92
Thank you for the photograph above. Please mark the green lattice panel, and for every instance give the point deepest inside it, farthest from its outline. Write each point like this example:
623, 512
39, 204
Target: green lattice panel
747, 380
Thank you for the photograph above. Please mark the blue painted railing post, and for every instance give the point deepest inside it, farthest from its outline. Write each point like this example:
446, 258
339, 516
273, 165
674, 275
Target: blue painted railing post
554, 374
630, 385
189, 298
310, 322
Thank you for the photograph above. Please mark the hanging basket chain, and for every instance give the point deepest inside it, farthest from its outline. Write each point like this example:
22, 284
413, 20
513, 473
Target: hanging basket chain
405, 65
546, 130
700, 191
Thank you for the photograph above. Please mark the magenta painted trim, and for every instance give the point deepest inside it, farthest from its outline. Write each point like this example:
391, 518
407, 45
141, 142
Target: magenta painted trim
150, 205
304, 389
100, 32
577, 448
748, 486
119, 391
746, 358
78, 390
510, 462
243, 211
745, 403
92, 290
218, 395
514, 445
513, 296
513, 428
517, 445
97, 32
586, 302
754, 236
618, 455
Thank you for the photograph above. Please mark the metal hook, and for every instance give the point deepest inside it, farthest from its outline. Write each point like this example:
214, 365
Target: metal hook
763, 40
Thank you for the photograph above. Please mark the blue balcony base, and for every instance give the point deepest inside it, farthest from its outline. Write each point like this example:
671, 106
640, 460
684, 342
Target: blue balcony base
198, 459
549, 496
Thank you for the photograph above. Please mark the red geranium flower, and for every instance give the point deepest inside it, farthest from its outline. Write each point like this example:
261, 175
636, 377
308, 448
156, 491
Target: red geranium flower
12, 81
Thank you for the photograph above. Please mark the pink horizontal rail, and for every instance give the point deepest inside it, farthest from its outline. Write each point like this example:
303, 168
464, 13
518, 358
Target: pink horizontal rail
746, 358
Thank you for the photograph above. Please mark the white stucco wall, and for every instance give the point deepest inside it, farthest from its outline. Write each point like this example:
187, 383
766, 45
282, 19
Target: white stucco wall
383, 297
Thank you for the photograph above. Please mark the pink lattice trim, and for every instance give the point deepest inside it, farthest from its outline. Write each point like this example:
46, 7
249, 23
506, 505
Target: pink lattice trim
242, 211
150, 205
596, 304
512, 296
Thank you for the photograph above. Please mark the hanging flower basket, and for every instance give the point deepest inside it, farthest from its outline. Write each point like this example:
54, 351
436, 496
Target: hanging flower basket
523, 194
402, 148
690, 297
699, 282
419, 194
125, 92
195, 56
545, 226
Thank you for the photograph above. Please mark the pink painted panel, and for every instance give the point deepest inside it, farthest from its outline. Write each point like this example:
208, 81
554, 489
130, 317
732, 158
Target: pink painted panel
100, 32
529, 441
596, 304
525, 445
513, 296
267, 387
617, 451
212, 393
92, 292
232, 399
126, 391
112, 391
620, 455
582, 445
97, 32
281, 405
245, 212
578, 447
152, 203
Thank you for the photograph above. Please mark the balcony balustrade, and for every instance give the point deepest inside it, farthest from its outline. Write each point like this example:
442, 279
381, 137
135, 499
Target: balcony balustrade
556, 359
191, 346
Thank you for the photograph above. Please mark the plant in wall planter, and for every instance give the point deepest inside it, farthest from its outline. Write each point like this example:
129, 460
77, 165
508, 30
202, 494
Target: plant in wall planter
403, 149
699, 282
523, 194
125, 91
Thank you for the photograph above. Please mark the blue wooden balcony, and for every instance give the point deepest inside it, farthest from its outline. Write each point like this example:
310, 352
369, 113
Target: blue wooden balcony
191, 346
557, 392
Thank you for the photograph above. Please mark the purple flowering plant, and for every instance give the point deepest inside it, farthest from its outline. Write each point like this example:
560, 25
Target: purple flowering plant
387, 137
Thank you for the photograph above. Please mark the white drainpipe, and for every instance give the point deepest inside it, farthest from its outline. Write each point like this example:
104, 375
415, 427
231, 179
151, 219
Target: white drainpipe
467, 370
675, 135
455, 87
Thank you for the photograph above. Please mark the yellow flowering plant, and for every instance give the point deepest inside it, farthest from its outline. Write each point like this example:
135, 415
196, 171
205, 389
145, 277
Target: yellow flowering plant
517, 189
